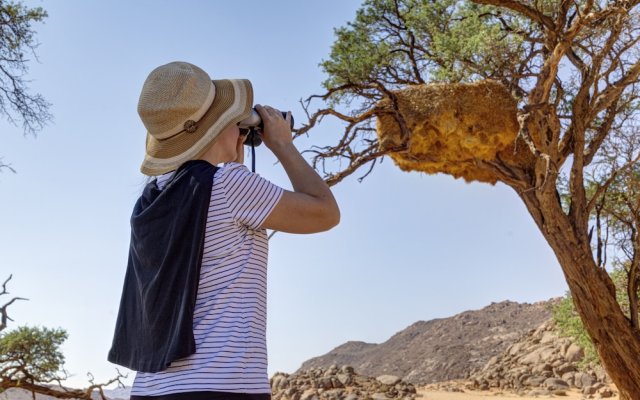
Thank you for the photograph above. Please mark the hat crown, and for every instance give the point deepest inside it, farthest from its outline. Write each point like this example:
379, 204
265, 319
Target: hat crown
172, 95
184, 112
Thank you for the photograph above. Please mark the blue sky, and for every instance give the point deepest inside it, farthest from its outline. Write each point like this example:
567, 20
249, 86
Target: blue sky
409, 246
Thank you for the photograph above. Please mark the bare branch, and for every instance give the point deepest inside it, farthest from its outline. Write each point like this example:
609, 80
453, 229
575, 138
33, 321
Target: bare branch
412, 45
4, 317
602, 188
318, 115
611, 93
368, 155
4, 285
549, 71
599, 248
7, 166
602, 132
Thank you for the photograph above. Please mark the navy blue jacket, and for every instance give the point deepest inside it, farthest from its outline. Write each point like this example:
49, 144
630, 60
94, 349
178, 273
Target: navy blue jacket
155, 320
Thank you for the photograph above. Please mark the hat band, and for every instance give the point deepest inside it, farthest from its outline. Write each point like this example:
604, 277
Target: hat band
193, 117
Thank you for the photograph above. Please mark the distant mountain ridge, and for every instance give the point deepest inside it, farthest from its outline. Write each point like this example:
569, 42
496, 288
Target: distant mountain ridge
441, 349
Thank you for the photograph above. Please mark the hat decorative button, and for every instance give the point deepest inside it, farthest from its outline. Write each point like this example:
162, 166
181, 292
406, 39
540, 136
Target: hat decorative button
190, 126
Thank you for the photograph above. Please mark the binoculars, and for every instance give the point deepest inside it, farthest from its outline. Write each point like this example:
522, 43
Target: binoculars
252, 123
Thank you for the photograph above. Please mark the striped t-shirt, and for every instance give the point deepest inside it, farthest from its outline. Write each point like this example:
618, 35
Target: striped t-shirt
229, 321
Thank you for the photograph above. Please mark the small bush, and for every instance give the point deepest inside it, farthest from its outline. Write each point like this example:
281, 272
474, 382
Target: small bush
569, 324
32, 353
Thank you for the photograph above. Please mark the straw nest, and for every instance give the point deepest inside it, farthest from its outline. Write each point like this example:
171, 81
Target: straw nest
452, 128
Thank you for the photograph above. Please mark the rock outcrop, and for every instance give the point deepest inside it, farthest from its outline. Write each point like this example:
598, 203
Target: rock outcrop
541, 363
334, 383
441, 349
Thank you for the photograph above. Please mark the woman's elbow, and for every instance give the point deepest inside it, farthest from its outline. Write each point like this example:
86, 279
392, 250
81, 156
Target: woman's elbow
335, 216
331, 217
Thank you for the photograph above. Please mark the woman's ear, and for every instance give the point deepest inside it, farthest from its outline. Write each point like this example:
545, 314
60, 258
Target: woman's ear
240, 149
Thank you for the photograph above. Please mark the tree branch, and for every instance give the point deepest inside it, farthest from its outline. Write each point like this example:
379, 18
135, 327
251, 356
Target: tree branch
522, 9
62, 392
601, 133
602, 188
7, 166
4, 317
612, 92
368, 155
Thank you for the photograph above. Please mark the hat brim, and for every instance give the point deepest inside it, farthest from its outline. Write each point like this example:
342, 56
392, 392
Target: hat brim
232, 103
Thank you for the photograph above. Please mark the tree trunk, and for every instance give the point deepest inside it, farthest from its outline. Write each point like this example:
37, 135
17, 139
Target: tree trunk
593, 293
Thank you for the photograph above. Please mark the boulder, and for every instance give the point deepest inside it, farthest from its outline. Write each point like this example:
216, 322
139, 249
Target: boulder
388, 379
539, 360
574, 353
582, 379
554, 384
336, 383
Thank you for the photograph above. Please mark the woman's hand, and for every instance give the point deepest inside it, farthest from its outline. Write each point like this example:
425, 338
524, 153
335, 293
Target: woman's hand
311, 207
277, 130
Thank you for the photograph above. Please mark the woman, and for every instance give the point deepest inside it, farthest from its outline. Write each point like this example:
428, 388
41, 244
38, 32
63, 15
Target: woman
192, 317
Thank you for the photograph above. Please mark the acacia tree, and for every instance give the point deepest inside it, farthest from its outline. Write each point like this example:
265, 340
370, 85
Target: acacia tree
30, 359
573, 68
17, 42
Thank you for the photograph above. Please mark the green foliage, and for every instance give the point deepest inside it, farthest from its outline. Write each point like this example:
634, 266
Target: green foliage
17, 43
619, 276
395, 43
15, 23
474, 45
569, 324
366, 50
30, 358
354, 56
32, 354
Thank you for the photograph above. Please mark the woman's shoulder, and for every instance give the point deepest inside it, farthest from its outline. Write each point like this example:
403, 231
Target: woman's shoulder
232, 170
233, 174
234, 167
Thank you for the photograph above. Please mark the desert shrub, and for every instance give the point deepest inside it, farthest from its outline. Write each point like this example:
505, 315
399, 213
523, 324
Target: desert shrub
569, 324
32, 354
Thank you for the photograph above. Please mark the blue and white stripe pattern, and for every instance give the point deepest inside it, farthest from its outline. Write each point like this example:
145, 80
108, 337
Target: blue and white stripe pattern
230, 314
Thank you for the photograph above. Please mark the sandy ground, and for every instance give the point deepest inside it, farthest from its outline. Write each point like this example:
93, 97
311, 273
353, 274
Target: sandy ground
430, 394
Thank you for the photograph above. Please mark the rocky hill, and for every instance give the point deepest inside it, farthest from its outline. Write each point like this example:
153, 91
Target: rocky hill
540, 363
440, 349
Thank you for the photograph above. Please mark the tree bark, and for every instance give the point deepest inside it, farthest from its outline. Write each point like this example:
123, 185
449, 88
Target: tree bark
616, 340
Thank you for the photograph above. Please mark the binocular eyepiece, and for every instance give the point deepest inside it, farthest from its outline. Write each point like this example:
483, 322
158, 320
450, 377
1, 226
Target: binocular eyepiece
252, 123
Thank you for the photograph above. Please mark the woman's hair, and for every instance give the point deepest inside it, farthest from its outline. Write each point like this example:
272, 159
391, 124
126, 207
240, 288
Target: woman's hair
147, 179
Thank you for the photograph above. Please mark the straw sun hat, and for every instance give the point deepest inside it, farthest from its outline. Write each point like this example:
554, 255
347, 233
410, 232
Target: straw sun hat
184, 111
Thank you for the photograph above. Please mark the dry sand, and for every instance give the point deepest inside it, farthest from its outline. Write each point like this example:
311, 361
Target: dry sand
430, 394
